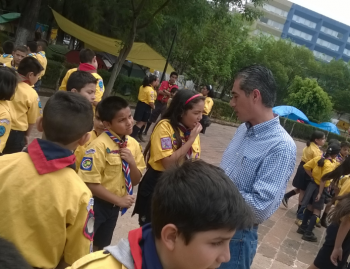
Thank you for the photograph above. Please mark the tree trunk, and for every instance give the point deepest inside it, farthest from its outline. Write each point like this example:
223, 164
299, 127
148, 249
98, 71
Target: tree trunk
26, 26
71, 43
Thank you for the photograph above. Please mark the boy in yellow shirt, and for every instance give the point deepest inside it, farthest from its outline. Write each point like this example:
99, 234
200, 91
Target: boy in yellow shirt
25, 105
46, 209
40, 55
196, 210
19, 53
7, 48
88, 63
112, 164
83, 83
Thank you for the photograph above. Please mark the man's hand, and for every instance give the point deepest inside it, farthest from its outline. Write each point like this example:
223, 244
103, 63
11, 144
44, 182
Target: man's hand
126, 155
126, 201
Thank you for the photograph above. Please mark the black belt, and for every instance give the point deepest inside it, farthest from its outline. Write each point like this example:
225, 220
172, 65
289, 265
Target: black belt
104, 202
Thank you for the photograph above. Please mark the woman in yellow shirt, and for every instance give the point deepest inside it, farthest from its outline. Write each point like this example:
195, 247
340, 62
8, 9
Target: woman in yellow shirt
208, 93
144, 105
174, 139
314, 197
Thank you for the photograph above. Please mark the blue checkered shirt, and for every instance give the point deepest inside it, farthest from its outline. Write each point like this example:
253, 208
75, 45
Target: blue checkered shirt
260, 160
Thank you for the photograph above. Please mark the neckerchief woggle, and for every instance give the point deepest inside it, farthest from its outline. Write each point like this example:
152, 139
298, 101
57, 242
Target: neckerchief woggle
187, 133
126, 168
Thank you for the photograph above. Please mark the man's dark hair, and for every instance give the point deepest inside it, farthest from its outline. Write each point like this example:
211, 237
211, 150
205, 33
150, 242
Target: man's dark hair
8, 47
8, 83
67, 117
79, 79
21, 49
42, 43
10, 257
198, 197
110, 106
174, 74
261, 78
29, 64
86, 55
345, 144
33, 46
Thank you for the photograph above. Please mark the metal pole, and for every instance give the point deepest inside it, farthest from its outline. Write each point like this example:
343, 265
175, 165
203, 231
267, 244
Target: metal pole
167, 60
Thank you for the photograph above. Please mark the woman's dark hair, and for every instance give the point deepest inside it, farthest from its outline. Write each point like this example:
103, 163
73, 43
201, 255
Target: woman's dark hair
337, 173
147, 81
333, 149
315, 135
8, 83
210, 91
342, 208
174, 113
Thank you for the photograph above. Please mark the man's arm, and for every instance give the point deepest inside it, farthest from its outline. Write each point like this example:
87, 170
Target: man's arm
163, 89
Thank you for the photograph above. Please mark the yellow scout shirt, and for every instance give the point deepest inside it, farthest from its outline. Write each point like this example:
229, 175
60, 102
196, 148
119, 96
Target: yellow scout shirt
342, 184
43, 61
208, 105
163, 144
6, 59
43, 215
97, 260
146, 95
5, 123
32, 55
80, 151
318, 172
100, 88
27, 106
311, 152
102, 163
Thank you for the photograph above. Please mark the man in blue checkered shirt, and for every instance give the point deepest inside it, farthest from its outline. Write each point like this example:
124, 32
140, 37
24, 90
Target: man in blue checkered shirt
260, 158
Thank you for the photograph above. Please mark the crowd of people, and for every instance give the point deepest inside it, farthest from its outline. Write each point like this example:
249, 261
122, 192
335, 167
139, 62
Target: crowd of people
61, 195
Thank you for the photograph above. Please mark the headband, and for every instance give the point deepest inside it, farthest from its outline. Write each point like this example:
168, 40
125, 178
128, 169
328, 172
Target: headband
191, 98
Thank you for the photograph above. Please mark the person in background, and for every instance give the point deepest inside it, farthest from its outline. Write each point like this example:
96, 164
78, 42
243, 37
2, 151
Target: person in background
41, 56
172, 94
10, 257
7, 57
32, 48
144, 105
208, 93
162, 100
259, 159
19, 53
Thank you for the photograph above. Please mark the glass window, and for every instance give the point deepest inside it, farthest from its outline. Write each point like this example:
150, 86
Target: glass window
347, 52
349, 39
275, 10
258, 32
304, 21
327, 44
272, 23
331, 32
301, 34
322, 56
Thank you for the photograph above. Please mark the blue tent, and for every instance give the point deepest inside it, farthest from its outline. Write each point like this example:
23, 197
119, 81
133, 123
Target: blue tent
293, 113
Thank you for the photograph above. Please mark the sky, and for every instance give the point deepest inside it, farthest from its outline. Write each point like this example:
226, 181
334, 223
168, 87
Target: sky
335, 9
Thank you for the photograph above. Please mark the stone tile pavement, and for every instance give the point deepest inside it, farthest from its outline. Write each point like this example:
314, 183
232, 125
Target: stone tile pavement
280, 247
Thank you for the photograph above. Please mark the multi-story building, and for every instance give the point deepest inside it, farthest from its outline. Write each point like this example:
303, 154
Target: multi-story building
327, 38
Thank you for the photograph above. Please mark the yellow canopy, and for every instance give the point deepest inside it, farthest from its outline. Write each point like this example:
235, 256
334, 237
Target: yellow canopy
140, 53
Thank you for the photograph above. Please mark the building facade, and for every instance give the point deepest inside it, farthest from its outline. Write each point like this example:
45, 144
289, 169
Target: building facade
327, 38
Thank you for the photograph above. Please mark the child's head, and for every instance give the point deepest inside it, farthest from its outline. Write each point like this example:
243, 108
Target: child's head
8, 47
318, 137
32, 46
332, 152
342, 170
42, 45
116, 115
98, 124
173, 92
67, 119
10, 257
196, 210
151, 80
88, 56
173, 77
208, 91
30, 68
19, 53
8, 83
345, 146
83, 83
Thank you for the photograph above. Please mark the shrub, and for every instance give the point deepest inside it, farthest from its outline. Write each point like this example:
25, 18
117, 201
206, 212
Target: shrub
223, 111
53, 72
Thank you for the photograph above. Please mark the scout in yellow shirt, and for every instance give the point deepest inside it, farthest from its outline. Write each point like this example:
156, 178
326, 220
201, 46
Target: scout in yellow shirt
8, 84
83, 83
47, 210
32, 48
110, 161
19, 53
25, 104
7, 48
41, 56
144, 106
314, 195
88, 63
174, 139
208, 93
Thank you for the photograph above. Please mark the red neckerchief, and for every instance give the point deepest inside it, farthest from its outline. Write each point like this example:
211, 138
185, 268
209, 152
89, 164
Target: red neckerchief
187, 133
87, 68
24, 79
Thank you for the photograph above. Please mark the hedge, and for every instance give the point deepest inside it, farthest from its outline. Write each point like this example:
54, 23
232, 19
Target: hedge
53, 72
223, 111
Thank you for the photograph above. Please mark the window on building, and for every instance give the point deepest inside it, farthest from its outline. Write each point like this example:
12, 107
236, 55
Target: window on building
331, 32
258, 32
275, 10
349, 39
327, 44
272, 23
322, 56
347, 52
304, 21
301, 34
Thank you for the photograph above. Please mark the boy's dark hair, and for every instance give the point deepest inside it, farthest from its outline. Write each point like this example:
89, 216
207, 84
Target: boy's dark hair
79, 79
67, 117
148, 80
8, 83
21, 48
10, 257
174, 74
33, 46
86, 55
110, 106
8, 47
345, 144
315, 135
29, 64
332, 149
42, 43
198, 197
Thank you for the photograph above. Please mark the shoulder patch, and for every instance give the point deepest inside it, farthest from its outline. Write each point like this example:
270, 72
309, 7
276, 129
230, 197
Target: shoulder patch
165, 143
6, 121
100, 84
90, 151
2, 130
39, 104
86, 164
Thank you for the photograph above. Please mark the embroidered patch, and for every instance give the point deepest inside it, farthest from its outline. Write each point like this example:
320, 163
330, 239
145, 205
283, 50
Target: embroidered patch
100, 84
90, 151
2, 131
166, 143
5, 121
89, 225
86, 164
39, 104
112, 151
90, 205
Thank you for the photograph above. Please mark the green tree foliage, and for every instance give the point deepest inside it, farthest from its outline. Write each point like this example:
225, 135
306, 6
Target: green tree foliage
310, 98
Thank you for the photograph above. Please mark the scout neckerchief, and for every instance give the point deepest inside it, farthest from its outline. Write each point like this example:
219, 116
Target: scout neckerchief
6, 55
24, 79
87, 68
32, 54
187, 133
42, 54
126, 168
